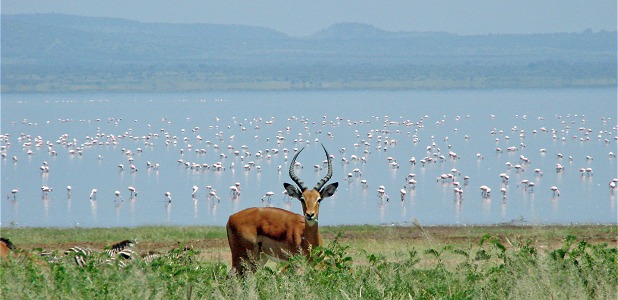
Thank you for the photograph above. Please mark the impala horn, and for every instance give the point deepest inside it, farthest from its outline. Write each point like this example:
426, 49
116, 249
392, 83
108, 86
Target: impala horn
329, 174
295, 178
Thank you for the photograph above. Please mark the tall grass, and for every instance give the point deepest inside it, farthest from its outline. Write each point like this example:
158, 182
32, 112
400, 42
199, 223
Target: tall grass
489, 269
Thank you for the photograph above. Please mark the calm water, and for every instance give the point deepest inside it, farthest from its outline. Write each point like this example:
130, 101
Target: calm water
82, 139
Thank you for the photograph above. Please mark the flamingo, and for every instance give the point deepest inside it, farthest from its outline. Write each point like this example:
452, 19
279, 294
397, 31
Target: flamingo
364, 183
268, 195
194, 191
213, 194
382, 193
45, 189
554, 189
132, 191
234, 191
93, 194
411, 183
485, 190
118, 197
14, 192
168, 197
442, 177
505, 178
559, 168
531, 186
458, 192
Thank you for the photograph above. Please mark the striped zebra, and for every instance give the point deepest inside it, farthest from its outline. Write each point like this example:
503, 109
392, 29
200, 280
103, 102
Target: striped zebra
116, 253
122, 249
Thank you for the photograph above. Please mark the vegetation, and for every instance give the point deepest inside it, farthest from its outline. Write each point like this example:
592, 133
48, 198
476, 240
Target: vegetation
411, 263
63, 53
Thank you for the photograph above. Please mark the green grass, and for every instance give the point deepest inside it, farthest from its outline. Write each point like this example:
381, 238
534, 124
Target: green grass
563, 262
82, 235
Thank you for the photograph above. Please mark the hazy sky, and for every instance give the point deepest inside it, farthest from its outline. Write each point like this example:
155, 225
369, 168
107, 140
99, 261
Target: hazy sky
301, 18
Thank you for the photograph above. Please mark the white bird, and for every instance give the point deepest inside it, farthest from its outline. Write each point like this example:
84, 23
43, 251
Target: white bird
382, 193
194, 191
132, 191
531, 186
14, 192
364, 183
555, 190
213, 194
235, 190
93, 194
268, 195
45, 189
485, 191
168, 197
411, 183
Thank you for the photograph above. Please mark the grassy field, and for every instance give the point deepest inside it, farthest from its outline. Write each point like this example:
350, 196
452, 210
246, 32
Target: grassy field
563, 262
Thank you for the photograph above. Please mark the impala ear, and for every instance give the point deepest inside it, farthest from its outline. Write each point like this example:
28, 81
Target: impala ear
292, 190
329, 190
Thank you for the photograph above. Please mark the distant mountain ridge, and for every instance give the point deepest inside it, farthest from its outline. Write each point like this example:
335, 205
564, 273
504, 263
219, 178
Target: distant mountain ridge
56, 51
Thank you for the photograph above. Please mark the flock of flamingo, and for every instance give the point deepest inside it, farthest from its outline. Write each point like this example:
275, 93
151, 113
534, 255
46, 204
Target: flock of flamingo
212, 146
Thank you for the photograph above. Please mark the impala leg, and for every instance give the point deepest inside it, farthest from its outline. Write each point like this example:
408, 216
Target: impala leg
245, 255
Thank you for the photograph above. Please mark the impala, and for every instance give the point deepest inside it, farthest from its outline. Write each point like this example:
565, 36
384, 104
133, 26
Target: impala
260, 233
5, 247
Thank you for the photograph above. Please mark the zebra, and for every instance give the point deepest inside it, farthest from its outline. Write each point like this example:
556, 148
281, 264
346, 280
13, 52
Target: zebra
116, 253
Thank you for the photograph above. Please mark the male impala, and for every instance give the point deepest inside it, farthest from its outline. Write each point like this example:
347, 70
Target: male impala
266, 232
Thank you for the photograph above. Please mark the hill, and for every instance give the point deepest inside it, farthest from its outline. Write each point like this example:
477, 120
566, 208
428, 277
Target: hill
56, 52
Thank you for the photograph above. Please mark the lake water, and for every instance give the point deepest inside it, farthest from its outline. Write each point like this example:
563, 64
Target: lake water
83, 138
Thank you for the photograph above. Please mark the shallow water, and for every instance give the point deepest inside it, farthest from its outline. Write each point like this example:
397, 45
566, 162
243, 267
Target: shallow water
84, 137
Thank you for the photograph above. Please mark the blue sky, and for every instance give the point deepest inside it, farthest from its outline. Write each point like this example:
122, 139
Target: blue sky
301, 18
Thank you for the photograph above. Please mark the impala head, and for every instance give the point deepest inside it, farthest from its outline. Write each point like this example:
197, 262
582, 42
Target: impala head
311, 198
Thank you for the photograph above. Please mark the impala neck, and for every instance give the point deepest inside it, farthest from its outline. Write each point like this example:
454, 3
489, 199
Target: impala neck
312, 233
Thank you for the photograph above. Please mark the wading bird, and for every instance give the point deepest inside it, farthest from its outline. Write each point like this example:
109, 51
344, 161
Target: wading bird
554, 189
132, 192
194, 191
